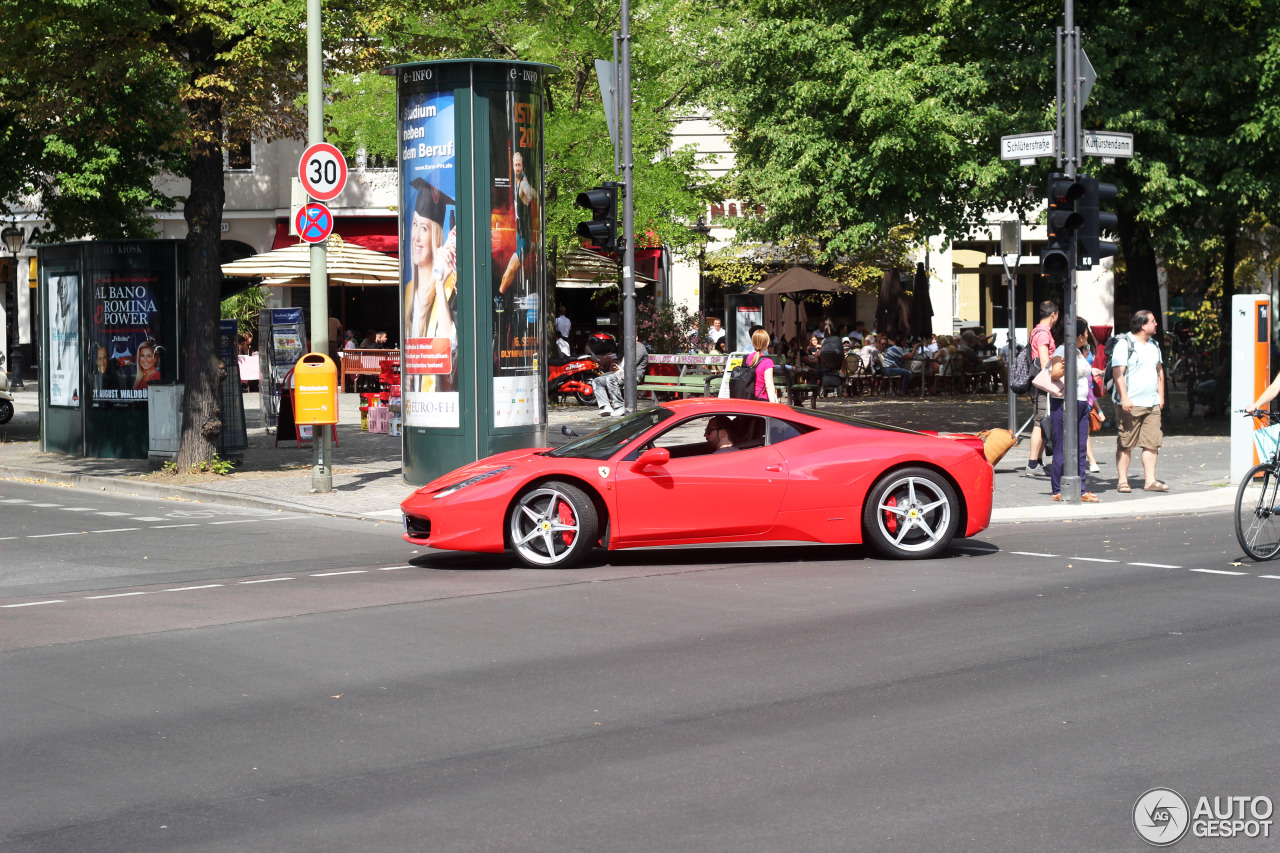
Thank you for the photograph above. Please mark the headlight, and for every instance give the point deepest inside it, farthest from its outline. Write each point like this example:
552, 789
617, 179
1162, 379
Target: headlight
470, 481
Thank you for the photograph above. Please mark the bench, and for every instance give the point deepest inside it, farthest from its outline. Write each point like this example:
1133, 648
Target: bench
689, 385
363, 362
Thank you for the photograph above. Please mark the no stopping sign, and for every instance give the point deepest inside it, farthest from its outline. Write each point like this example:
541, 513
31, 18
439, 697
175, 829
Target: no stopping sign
323, 171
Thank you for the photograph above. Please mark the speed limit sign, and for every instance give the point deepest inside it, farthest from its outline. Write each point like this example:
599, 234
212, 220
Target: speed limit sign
323, 171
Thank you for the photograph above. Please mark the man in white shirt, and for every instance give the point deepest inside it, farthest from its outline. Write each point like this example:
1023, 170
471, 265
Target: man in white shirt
715, 333
563, 323
1139, 398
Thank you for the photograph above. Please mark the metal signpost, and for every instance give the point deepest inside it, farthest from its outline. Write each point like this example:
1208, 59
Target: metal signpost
1069, 143
1010, 254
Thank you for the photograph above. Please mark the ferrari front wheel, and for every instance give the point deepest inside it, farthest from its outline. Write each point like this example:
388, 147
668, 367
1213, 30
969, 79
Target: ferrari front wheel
552, 526
911, 513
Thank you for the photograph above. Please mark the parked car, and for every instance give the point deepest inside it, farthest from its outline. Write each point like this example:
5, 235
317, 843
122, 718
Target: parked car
651, 478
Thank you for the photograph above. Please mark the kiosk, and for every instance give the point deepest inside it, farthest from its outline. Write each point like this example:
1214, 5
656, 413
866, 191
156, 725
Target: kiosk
472, 260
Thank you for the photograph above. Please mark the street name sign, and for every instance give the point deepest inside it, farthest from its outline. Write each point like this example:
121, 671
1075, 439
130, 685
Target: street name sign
1107, 143
323, 171
1027, 146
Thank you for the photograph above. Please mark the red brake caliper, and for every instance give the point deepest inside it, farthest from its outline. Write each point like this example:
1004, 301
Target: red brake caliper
565, 513
891, 519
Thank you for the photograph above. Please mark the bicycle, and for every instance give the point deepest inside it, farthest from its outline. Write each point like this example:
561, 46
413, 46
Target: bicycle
1258, 505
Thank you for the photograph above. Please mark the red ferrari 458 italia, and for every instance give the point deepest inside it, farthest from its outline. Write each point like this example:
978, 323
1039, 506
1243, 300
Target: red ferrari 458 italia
712, 470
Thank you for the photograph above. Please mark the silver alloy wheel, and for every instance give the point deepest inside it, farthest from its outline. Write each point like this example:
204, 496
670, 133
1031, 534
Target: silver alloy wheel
546, 524
918, 512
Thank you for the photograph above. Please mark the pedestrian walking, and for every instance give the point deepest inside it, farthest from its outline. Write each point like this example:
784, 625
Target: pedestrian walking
1042, 347
1139, 399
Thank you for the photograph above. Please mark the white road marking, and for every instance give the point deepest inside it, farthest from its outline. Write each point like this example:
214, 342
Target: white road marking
394, 568
331, 574
1095, 559
114, 530
189, 588
77, 509
47, 535
116, 595
1032, 554
171, 526
15, 501
1218, 572
47, 505
1154, 565
268, 580
1270, 577
146, 518
107, 512
36, 603
237, 521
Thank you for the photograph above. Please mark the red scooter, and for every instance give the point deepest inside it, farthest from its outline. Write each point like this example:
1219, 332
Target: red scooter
572, 375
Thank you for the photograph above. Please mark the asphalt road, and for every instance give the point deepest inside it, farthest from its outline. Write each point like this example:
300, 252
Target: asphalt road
265, 682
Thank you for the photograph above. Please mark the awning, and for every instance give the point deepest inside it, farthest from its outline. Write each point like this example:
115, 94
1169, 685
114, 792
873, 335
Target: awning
346, 264
585, 269
377, 233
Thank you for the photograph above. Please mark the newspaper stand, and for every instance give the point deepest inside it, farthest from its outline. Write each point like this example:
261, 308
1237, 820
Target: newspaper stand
286, 426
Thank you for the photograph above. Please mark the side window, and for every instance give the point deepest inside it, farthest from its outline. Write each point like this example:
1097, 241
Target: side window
709, 434
780, 430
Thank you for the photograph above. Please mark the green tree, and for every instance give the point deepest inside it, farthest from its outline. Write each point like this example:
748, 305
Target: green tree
670, 188
849, 118
111, 93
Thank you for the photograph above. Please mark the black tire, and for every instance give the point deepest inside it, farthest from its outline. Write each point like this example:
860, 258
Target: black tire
6, 411
910, 514
586, 398
552, 526
1258, 513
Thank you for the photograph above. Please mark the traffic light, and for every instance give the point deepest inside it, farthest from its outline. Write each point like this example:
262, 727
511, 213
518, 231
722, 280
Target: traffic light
1092, 248
602, 201
1064, 222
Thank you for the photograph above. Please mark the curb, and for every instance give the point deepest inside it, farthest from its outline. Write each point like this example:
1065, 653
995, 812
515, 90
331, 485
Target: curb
115, 485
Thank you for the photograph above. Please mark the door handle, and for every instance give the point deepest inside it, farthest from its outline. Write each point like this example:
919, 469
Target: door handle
774, 467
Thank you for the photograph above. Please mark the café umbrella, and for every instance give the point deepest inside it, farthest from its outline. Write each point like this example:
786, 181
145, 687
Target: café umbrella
345, 264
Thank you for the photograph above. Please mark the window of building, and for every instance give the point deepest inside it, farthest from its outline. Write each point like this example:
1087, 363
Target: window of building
237, 150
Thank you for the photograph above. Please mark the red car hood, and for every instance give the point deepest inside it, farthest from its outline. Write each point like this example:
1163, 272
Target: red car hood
510, 457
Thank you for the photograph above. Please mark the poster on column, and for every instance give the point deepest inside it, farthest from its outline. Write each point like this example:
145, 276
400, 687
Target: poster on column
124, 351
516, 243
64, 339
429, 266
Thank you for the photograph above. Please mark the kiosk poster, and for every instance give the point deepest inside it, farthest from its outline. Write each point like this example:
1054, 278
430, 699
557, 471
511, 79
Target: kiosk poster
64, 339
516, 242
124, 353
429, 269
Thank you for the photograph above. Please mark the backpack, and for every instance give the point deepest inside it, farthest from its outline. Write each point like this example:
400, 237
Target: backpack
1020, 371
742, 380
1109, 378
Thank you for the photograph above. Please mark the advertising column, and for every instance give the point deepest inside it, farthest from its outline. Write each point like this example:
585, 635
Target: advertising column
472, 260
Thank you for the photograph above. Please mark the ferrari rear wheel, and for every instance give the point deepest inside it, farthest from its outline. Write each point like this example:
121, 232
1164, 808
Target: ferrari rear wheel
552, 526
911, 513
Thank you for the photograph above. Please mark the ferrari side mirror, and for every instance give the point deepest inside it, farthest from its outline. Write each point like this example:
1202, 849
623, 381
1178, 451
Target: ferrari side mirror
652, 456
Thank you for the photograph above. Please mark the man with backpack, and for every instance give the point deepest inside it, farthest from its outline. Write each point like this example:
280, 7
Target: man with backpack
1138, 373
1041, 351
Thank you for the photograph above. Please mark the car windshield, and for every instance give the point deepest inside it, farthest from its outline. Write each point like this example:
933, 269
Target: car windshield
603, 443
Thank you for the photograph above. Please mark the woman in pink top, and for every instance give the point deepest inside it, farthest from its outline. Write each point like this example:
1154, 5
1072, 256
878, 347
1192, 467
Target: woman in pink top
764, 367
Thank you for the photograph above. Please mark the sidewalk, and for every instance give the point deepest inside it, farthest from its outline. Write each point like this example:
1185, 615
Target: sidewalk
367, 482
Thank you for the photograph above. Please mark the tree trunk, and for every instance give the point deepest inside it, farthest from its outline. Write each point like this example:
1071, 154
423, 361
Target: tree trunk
203, 370
1141, 269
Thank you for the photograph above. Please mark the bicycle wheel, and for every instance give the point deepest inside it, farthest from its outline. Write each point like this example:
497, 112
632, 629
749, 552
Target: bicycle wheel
1258, 512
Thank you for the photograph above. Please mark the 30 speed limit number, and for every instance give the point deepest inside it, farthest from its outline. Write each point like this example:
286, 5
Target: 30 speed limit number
323, 171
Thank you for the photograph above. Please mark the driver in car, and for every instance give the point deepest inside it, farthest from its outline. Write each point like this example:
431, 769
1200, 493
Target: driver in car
718, 435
